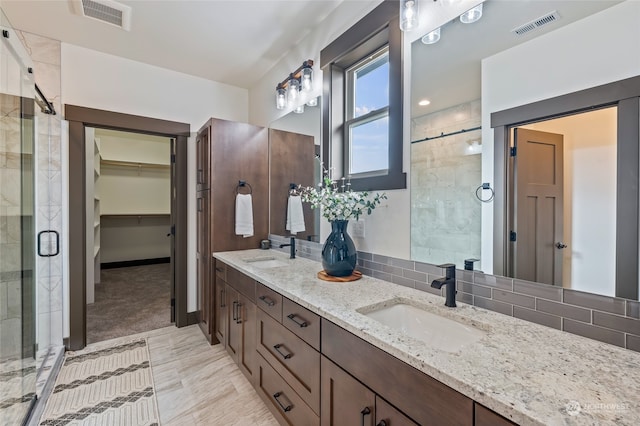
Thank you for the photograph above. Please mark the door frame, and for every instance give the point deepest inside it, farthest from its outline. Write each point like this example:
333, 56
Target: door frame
80, 117
625, 94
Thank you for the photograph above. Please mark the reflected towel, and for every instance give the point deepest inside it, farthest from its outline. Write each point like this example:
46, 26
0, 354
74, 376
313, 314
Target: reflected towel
295, 215
244, 215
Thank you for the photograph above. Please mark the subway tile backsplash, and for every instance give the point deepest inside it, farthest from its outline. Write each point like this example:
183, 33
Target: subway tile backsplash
606, 319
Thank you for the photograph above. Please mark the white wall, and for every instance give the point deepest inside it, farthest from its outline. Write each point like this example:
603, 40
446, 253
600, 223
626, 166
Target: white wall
599, 49
590, 149
98, 80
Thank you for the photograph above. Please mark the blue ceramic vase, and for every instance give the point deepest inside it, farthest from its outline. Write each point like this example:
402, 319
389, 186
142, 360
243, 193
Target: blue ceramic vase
339, 255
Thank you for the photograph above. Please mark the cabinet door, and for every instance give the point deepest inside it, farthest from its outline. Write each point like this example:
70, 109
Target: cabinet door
388, 415
247, 318
344, 400
221, 308
203, 158
234, 331
204, 261
486, 417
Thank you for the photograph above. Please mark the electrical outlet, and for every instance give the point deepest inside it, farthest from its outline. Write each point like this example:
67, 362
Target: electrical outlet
358, 228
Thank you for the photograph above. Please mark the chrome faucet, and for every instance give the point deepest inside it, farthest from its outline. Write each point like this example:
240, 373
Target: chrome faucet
450, 281
292, 246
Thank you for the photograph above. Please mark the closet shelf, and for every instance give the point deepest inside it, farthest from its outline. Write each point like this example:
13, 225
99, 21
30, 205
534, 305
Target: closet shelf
133, 164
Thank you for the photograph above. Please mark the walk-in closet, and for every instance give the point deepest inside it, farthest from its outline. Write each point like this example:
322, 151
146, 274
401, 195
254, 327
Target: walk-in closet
128, 181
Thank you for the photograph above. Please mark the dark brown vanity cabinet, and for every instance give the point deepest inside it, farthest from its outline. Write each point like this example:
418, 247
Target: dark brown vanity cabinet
346, 401
241, 320
227, 152
289, 366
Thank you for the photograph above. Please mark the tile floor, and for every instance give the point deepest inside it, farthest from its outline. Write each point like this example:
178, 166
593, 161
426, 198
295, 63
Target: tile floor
196, 383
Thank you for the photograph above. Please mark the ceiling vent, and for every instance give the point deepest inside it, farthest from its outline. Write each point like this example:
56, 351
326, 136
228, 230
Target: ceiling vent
537, 23
108, 11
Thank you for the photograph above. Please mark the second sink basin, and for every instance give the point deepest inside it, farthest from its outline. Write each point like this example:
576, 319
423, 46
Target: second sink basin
265, 262
440, 332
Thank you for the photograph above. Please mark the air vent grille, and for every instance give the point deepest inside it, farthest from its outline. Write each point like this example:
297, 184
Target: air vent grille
108, 11
537, 23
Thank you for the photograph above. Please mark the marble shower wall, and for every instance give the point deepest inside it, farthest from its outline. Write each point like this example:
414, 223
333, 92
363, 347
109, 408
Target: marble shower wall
445, 173
10, 229
45, 54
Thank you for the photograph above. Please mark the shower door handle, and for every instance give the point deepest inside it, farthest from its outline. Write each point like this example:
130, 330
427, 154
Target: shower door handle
50, 252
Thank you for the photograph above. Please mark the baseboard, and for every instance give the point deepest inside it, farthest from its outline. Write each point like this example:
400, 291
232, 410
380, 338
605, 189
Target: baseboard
140, 262
65, 343
192, 318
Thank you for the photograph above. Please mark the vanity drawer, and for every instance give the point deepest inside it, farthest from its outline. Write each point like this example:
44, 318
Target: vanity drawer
221, 270
269, 301
293, 359
284, 403
241, 282
302, 322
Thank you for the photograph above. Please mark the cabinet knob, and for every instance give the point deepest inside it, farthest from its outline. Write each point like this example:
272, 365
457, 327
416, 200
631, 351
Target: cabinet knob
382, 423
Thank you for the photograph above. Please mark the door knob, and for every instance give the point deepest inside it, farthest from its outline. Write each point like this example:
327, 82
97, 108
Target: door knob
561, 245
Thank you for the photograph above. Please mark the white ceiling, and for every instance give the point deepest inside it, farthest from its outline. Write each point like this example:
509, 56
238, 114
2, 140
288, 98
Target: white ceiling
233, 42
448, 72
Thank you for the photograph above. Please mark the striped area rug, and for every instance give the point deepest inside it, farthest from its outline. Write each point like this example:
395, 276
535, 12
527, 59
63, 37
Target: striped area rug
109, 386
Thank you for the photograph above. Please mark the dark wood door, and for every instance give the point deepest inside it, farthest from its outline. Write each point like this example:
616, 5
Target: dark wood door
203, 159
344, 400
220, 310
234, 331
203, 269
538, 209
247, 326
388, 415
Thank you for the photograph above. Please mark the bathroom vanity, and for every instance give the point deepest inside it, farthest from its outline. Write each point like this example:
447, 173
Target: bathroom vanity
318, 356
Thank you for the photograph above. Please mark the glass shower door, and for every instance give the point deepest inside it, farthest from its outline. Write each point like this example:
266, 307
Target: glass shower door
17, 239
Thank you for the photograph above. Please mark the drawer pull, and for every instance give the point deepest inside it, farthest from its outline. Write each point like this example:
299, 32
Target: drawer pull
284, 407
382, 423
222, 304
292, 317
219, 269
238, 319
267, 300
365, 412
284, 356
235, 315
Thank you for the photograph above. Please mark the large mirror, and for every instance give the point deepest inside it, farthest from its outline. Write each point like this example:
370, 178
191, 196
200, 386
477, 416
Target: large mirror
294, 151
570, 163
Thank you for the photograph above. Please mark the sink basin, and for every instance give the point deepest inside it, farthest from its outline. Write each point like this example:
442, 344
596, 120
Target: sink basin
440, 332
265, 262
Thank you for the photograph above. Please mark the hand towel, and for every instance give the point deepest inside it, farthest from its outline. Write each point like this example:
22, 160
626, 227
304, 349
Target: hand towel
244, 215
295, 215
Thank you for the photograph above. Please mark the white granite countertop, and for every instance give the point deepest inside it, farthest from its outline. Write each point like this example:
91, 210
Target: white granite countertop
526, 372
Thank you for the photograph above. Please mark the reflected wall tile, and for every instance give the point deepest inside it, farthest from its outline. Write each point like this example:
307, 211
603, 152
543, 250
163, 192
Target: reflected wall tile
9, 187
4, 301
11, 338
10, 258
14, 299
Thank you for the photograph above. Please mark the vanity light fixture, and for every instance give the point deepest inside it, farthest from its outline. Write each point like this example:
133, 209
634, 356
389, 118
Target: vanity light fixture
281, 97
432, 37
472, 15
408, 14
293, 91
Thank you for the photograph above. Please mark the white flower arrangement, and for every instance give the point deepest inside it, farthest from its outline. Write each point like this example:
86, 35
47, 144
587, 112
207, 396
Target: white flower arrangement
339, 202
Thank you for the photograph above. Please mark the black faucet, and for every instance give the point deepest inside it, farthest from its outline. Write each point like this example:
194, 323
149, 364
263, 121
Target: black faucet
292, 246
450, 281
468, 264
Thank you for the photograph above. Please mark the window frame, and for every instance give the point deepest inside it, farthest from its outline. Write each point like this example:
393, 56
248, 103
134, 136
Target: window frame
351, 121
376, 30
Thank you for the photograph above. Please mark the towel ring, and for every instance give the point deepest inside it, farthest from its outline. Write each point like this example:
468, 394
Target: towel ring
294, 189
242, 184
485, 185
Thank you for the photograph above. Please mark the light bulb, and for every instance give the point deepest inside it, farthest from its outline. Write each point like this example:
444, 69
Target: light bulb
306, 79
281, 97
472, 15
299, 109
293, 89
312, 102
432, 37
408, 14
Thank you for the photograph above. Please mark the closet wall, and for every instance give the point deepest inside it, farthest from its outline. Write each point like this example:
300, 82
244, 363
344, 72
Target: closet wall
134, 189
